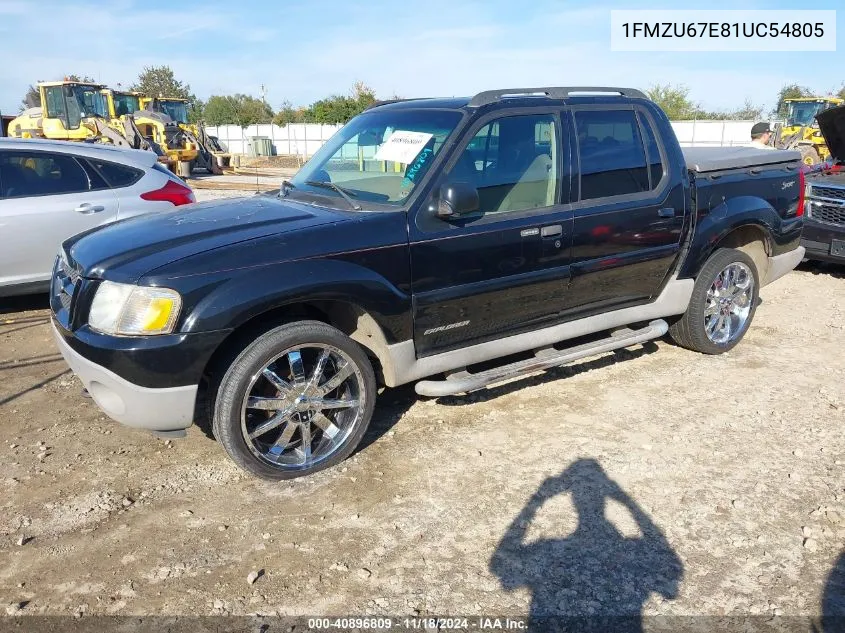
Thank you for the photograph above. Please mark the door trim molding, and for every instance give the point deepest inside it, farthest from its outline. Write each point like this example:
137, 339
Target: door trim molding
403, 366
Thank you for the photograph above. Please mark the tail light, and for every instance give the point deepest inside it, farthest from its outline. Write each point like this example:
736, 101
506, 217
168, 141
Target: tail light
173, 192
802, 192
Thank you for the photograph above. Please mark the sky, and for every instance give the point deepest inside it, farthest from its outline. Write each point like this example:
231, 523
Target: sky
303, 50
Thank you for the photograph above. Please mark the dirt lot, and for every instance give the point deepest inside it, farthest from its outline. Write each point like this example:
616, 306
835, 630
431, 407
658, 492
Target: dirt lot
653, 480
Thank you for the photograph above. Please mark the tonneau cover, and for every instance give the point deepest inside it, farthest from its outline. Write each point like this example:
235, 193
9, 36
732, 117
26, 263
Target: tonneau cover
704, 159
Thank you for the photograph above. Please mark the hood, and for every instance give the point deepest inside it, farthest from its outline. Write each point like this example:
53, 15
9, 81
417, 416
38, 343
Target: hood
129, 248
832, 125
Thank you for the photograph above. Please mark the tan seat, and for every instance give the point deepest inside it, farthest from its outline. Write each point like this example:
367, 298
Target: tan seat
534, 189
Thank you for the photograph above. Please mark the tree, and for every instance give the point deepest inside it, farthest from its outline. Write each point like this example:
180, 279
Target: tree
160, 81
790, 91
748, 112
32, 98
238, 109
674, 101
287, 114
841, 93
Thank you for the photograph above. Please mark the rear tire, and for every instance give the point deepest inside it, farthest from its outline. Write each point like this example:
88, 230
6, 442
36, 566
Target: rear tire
297, 400
722, 305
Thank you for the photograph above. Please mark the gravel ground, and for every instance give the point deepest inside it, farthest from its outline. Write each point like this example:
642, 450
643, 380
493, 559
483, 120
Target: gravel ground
653, 480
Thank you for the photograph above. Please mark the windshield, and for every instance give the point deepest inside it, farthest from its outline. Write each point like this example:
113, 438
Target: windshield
176, 110
88, 99
803, 112
125, 104
379, 156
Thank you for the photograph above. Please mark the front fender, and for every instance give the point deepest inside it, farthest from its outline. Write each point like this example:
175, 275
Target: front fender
227, 302
712, 228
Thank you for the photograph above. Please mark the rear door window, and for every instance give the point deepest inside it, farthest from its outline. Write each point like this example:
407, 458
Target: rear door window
116, 175
655, 162
24, 174
612, 154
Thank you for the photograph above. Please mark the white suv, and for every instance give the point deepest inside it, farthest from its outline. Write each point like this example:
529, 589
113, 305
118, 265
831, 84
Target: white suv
52, 190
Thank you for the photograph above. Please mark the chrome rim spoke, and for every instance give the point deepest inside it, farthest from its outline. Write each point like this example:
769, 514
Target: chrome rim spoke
319, 368
270, 424
287, 419
296, 367
330, 403
329, 428
335, 381
282, 385
729, 302
266, 404
284, 437
305, 449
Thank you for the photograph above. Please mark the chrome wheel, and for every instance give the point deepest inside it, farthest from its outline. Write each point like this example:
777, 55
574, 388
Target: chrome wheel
729, 303
302, 406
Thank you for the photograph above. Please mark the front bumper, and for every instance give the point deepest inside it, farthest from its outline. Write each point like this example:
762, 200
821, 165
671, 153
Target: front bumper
156, 409
817, 239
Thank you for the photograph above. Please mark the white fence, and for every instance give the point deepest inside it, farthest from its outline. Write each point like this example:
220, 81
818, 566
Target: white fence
304, 139
712, 133
296, 139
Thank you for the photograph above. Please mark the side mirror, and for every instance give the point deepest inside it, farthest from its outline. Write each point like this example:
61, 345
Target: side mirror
457, 198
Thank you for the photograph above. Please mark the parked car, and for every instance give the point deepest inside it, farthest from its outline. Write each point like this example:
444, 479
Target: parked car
426, 239
824, 225
52, 190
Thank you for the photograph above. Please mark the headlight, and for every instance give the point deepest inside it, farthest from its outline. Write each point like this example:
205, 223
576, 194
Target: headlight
128, 310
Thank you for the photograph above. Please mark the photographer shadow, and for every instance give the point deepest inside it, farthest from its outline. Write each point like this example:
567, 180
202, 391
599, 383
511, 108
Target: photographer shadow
596, 579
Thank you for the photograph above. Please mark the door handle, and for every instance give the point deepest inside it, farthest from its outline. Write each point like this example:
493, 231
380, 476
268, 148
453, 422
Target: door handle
86, 208
554, 230
666, 212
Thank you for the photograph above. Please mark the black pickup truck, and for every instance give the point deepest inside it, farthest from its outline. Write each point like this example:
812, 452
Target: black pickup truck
824, 227
425, 240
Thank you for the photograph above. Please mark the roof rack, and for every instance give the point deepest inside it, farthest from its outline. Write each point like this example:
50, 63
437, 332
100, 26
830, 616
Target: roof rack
376, 104
491, 96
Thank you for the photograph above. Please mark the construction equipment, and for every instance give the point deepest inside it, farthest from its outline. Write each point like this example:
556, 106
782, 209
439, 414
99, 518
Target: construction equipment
801, 131
66, 107
163, 125
71, 111
210, 155
122, 106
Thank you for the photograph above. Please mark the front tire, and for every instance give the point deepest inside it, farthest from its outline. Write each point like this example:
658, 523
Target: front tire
810, 155
297, 400
722, 306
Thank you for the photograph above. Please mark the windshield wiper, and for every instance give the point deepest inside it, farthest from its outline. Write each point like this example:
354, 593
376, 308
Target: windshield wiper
347, 195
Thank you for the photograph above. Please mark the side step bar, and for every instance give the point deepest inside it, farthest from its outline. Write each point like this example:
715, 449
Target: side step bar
464, 382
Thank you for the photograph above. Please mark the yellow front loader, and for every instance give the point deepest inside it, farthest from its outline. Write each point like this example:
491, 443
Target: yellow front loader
801, 131
75, 111
164, 126
66, 109
210, 155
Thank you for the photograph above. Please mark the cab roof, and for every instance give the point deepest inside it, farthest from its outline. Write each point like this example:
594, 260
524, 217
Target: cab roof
71, 83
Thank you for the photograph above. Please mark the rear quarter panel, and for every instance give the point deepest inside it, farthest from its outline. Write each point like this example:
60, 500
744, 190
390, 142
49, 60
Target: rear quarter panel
129, 198
726, 201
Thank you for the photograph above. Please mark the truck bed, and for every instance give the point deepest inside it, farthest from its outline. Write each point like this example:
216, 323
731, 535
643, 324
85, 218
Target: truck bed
707, 159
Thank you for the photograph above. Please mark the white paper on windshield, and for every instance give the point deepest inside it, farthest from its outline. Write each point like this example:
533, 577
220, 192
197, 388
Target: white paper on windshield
403, 147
